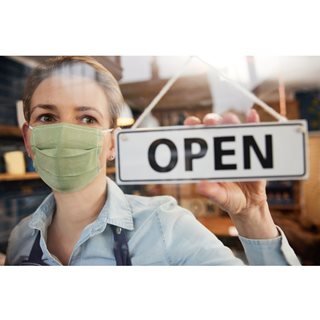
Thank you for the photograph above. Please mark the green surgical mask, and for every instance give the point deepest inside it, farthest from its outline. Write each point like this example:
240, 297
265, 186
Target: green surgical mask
66, 156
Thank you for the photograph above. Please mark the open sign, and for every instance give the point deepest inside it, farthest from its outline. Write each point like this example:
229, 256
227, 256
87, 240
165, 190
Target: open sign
273, 151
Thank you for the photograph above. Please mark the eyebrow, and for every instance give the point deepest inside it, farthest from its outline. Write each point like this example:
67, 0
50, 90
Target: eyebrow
43, 106
85, 108
52, 107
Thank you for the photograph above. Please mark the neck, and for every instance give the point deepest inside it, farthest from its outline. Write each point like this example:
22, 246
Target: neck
75, 210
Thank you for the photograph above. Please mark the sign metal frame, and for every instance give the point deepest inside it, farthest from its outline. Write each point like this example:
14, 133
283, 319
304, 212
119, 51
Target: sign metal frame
122, 136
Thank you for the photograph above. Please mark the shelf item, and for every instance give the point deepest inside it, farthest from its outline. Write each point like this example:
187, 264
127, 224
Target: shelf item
284, 195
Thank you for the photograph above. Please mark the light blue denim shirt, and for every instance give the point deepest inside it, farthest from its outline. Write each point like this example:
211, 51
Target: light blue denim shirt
159, 232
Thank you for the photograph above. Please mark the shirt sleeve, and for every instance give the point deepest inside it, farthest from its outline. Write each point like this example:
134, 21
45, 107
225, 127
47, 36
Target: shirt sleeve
270, 252
188, 242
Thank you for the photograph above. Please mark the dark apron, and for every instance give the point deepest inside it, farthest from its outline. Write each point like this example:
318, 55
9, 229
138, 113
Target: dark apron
120, 250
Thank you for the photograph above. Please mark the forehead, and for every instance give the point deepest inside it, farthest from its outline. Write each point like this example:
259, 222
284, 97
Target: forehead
69, 91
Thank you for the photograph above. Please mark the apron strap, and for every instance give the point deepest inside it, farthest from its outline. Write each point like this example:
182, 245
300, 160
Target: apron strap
120, 249
35, 257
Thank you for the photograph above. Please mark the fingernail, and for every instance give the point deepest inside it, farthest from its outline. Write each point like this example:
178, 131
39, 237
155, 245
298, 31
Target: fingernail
252, 111
213, 116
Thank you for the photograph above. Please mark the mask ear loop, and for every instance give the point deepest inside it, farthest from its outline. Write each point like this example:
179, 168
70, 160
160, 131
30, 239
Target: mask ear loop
107, 130
31, 128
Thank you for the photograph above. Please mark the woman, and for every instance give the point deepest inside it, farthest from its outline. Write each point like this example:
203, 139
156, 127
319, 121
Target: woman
71, 105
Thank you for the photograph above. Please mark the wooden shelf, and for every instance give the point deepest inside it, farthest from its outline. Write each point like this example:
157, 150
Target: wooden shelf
284, 206
220, 226
10, 131
17, 177
111, 170
34, 175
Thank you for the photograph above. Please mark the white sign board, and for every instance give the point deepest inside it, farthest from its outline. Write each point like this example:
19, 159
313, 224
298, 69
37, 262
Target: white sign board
180, 154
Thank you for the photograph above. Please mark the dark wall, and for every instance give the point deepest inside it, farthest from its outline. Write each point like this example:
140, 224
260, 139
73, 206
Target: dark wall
17, 198
12, 78
309, 103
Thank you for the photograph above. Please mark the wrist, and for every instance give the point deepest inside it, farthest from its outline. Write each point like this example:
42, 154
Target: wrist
256, 223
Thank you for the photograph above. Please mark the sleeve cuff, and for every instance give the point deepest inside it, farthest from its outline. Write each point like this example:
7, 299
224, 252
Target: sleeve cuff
276, 251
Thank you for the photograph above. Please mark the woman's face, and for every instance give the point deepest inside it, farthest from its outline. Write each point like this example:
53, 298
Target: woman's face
74, 100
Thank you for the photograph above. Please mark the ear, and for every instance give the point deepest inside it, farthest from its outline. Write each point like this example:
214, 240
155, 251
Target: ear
112, 146
26, 139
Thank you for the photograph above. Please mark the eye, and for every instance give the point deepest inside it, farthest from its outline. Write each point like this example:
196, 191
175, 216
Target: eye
46, 118
88, 120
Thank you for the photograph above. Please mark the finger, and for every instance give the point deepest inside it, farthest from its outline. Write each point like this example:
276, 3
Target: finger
212, 119
190, 121
230, 118
212, 190
252, 116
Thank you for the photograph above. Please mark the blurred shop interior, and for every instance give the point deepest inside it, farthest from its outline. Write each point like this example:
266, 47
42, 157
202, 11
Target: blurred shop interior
290, 85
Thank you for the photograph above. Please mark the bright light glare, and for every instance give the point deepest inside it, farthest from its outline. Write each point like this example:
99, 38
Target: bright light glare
221, 61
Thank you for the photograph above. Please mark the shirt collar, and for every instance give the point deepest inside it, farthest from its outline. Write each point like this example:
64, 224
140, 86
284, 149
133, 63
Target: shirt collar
42, 217
116, 211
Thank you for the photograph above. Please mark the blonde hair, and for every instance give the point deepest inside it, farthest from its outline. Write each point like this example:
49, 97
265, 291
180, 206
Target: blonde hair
75, 66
